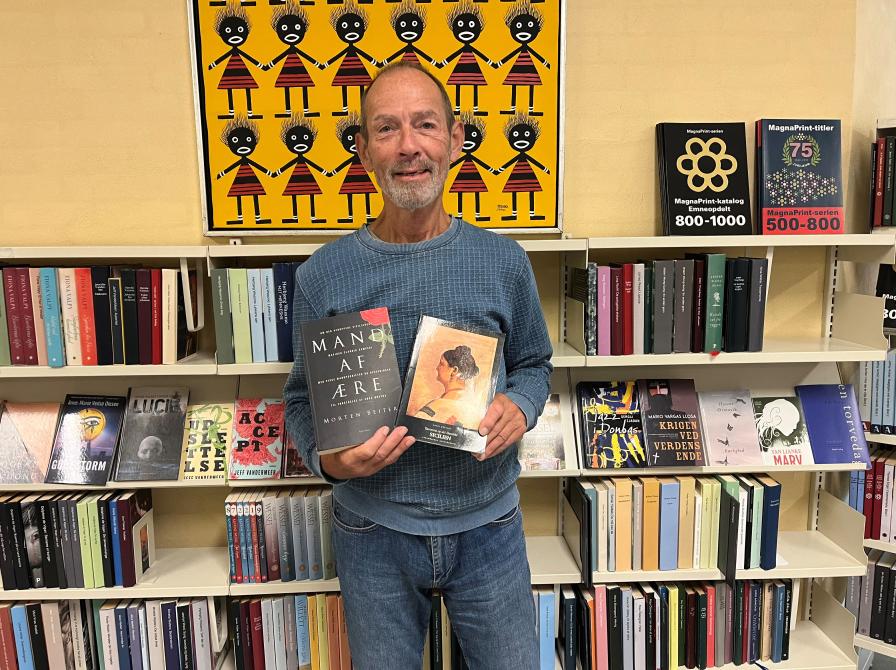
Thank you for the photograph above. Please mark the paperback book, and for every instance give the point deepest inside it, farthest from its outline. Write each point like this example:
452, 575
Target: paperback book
670, 418
542, 447
152, 435
26, 438
85, 440
256, 451
833, 423
353, 379
729, 428
781, 426
206, 436
610, 425
450, 383
293, 464
703, 178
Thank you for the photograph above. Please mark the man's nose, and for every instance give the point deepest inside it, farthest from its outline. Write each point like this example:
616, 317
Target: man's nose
408, 144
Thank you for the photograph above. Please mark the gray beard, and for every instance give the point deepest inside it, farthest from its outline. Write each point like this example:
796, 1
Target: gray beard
414, 196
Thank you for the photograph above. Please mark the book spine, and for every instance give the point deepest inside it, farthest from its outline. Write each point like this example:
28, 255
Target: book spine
20, 557
144, 316
682, 305
239, 313
86, 322
648, 307
736, 330
698, 327
257, 542
668, 545
84, 533
69, 309
49, 575
604, 311
758, 288
133, 642
116, 321
663, 305
130, 320
49, 295
15, 328
303, 637
284, 537
715, 302
55, 533
99, 283
170, 278
299, 543
185, 635
271, 524
284, 285
638, 297
269, 314
22, 637
223, 323
881, 155
38, 637
256, 310
312, 532
115, 540
591, 309
155, 310
5, 355
102, 512
127, 519
627, 309
328, 560
887, 213
26, 307
617, 297
170, 634
7, 562
37, 315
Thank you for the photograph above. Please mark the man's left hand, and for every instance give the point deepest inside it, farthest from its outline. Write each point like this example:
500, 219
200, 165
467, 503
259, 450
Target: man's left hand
504, 424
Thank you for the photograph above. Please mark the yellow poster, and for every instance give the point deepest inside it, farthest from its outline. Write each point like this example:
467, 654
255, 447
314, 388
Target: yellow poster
279, 85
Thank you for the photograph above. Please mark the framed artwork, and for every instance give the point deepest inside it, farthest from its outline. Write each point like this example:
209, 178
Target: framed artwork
278, 86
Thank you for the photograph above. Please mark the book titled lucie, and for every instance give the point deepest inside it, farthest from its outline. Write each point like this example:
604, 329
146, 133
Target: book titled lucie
832, 419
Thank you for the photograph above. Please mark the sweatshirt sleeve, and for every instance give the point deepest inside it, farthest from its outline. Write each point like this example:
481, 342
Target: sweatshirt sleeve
527, 348
299, 422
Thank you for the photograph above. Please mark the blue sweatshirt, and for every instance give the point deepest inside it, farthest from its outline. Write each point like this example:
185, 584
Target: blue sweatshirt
465, 275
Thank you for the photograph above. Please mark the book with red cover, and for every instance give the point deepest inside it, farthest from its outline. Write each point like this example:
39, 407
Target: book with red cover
86, 323
257, 633
617, 329
868, 506
155, 297
7, 639
144, 316
879, 469
710, 625
628, 306
26, 307
879, 189
256, 450
698, 328
14, 327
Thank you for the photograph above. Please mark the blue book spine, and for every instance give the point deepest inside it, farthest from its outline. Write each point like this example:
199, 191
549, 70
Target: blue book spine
256, 312
230, 548
303, 636
246, 532
771, 506
134, 640
283, 291
860, 493
49, 296
669, 493
116, 543
833, 423
546, 607
778, 623
23, 639
269, 315
169, 633
122, 638
877, 400
853, 487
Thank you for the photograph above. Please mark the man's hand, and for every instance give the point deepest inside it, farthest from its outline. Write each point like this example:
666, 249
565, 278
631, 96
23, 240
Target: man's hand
381, 449
504, 423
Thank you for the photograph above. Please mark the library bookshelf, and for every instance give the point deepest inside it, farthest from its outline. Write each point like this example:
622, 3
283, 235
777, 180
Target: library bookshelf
820, 536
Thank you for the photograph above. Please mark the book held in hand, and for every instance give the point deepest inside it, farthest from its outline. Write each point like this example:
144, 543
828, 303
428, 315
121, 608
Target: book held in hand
783, 438
670, 418
450, 383
152, 435
353, 379
206, 436
610, 425
256, 451
85, 441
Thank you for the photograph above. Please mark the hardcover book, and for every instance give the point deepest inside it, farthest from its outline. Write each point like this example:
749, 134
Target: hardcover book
542, 447
833, 423
729, 428
610, 425
26, 438
799, 187
450, 383
256, 451
783, 438
703, 178
206, 436
152, 435
670, 418
353, 380
85, 441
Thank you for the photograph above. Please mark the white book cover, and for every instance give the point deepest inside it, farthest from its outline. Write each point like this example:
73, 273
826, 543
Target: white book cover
256, 309
601, 488
698, 527
53, 634
611, 526
267, 629
144, 636
637, 520
108, 636
154, 635
638, 607
169, 316
325, 516
627, 629
312, 534
743, 499
289, 628
638, 307
71, 326
217, 621
279, 631
299, 542
269, 314
781, 426
303, 634
886, 503
202, 648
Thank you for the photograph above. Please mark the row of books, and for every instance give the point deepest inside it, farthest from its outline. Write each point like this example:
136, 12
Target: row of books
151, 435
253, 313
668, 625
871, 598
873, 493
883, 162
701, 303
285, 632
95, 315
75, 540
877, 394
280, 534
681, 523
704, 180
665, 422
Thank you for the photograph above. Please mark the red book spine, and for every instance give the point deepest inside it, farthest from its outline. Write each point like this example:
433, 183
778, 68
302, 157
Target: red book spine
711, 626
144, 316
745, 629
257, 634
879, 467
256, 554
26, 309
246, 634
84, 296
237, 556
7, 641
13, 316
628, 309
127, 515
156, 307
616, 312
879, 188
868, 506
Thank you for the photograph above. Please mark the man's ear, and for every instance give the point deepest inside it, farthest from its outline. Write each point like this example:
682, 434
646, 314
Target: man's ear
363, 154
457, 140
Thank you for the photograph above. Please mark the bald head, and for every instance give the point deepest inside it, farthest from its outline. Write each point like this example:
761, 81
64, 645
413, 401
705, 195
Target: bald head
413, 75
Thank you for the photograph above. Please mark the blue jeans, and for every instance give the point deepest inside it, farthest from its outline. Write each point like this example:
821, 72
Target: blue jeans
483, 574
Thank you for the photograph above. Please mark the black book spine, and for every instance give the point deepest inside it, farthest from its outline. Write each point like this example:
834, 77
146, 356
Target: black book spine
758, 289
116, 321
144, 316
7, 563
682, 625
102, 509
698, 329
435, 631
702, 622
100, 279
738, 286
75, 529
788, 606
129, 308
65, 540
20, 559
236, 625
38, 638
749, 531
663, 637
879, 601
737, 642
690, 649
890, 626
185, 636
567, 637
583, 621
650, 630
614, 627
48, 552
55, 532
248, 655
755, 620
887, 218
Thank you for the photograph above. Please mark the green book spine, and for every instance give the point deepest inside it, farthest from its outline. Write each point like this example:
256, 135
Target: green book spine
4, 335
84, 538
239, 310
648, 307
223, 322
756, 540
715, 301
98, 649
96, 556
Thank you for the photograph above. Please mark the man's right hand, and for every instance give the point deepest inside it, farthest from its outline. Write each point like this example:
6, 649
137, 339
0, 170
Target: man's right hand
383, 448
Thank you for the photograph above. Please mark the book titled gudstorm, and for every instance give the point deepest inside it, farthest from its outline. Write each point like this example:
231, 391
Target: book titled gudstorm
450, 383
85, 440
353, 379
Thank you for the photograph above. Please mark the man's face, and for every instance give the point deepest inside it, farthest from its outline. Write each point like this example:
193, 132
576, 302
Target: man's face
410, 144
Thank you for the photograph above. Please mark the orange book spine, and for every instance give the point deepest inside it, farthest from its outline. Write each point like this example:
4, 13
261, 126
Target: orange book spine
651, 525
623, 525
84, 294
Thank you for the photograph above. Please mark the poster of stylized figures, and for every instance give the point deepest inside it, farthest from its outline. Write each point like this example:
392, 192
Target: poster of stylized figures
278, 85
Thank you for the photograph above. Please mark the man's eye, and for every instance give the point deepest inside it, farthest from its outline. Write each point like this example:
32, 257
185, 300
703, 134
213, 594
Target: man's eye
428, 125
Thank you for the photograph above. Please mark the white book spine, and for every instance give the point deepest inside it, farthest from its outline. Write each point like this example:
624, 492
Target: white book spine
713, 558
269, 315
108, 636
312, 533
611, 527
279, 631
328, 559
71, 327
202, 648
154, 635
299, 542
267, 629
886, 503
169, 316
640, 647
638, 308
698, 527
637, 518
77, 626
863, 391
602, 529
144, 637
303, 635
53, 634
256, 321
743, 497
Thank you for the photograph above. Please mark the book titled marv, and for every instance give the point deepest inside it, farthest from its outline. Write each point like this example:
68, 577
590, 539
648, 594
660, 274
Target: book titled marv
353, 379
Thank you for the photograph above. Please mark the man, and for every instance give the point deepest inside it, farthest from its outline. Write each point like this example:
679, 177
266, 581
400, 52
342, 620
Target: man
409, 518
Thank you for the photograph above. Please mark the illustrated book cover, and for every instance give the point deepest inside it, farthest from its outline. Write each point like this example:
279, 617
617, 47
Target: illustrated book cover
729, 428
256, 449
152, 435
783, 438
670, 418
206, 435
610, 425
85, 440
26, 439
